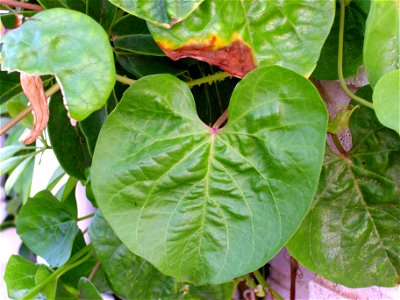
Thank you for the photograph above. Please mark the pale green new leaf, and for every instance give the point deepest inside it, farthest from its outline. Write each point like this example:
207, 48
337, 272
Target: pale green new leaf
381, 43
163, 13
207, 205
71, 46
386, 100
351, 234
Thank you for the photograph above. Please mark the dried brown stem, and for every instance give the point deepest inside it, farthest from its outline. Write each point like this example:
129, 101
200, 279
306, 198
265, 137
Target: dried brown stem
294, 266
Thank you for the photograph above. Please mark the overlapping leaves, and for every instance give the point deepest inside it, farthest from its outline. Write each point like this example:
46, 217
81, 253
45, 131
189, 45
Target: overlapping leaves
239, 35
351, 234
207, 205
53, 42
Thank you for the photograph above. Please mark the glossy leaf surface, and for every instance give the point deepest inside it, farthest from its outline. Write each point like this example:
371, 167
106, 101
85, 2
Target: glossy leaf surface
68, 142
381, 44
386, 100
19, 276
237, 36
130, 276
53, 42
206, 205
351, 235
163, 13
47, 228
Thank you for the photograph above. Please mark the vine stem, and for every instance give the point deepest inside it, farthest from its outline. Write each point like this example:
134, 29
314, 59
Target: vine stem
221, 119
261, 280
50, 92
80, 257
124, 79
94, 270
22, 5
85, 217
340, 60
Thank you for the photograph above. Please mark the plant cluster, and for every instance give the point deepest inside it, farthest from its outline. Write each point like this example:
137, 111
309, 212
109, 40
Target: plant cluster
200, 135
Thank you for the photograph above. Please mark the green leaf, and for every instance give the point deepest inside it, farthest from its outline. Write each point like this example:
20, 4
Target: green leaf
71, 278
353, 41
9, 86
207, 205
102, 11
381, 43
130, 276
141, 65
163, 13
87, 290
16, 106
42, 273
131, 34
66, 195
91, 126
9, 151
211, 292
386, 100
69, 144
19, 276
237, 36
9, 164
351, 235
53, 42
47, 228
78, 5
23, 167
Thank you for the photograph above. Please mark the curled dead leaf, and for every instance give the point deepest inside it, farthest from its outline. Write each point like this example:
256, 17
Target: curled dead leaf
33, 88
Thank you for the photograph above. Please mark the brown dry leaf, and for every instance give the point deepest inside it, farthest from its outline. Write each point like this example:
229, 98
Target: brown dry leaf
33, 88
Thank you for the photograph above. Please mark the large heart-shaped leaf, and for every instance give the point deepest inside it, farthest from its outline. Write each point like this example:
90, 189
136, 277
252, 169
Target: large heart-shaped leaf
351, 235
61, 42
202, 204
163, 13
47, 228
239, 35
386, 100
381, 43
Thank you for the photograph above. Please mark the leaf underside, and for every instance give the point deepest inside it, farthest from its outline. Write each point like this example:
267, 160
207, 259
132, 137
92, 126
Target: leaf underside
206, 206
237, 36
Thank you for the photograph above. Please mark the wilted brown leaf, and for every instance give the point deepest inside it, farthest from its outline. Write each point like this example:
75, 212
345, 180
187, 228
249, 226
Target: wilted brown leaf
33, 88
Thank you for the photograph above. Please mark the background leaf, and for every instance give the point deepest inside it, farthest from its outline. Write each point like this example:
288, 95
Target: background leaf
351, 234
326, 68
131, 277
131, 34
381, 44
386, 100
47, 228
68, 142
202, 206
164, 13
53, 42
239, 35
